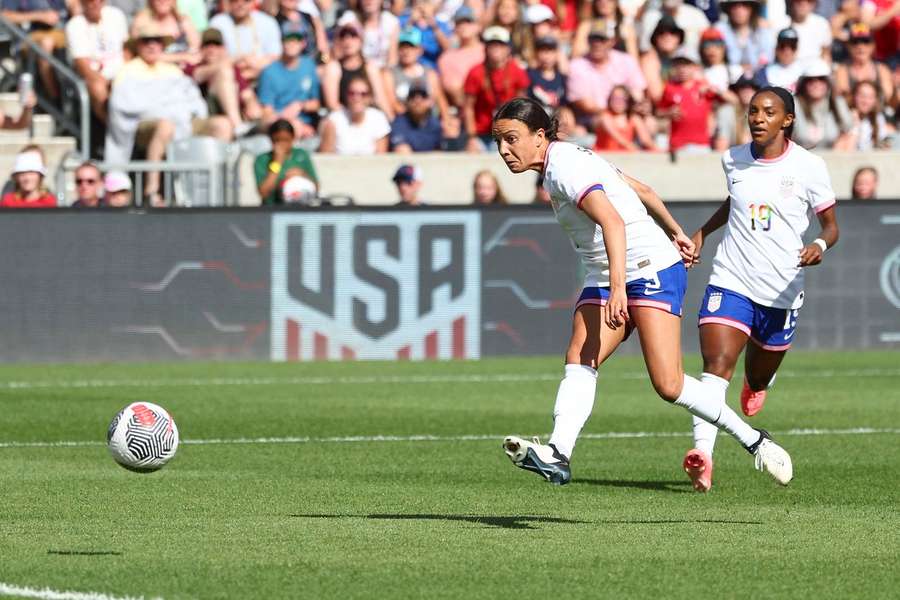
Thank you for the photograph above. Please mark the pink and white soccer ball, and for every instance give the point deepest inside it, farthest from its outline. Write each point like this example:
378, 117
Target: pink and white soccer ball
142, 437
298, 190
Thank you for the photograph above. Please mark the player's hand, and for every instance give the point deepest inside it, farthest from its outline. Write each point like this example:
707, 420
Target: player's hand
685, 247
615, 312
810, 255
697, 240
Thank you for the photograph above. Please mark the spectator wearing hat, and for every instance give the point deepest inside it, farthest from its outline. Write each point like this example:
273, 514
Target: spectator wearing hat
687, 101
542, 26
351, 64
749, 42
252, 38
117, 188
416, 129
508, 15
786, 69
163, 15
28, 184
409, 73
95, 41
862, 65
731, 119
547, 84
455, 63
435, 32
610, 10
592, 77
656, 63
289, 88
88, 186
883, 16
813, 31
716, 70
307, 15
284, 161
380, 30
865, 184
823, 120
408, 180
358, 129
489, 85
689, 19
221, 83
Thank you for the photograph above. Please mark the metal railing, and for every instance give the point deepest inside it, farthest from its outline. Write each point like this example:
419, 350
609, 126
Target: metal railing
81, 128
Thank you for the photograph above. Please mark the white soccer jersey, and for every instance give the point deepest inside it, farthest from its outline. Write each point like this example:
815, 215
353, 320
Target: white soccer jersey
571, 173
770, 202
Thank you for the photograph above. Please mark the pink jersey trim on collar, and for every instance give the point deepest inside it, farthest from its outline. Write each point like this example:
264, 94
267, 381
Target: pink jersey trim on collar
787, 151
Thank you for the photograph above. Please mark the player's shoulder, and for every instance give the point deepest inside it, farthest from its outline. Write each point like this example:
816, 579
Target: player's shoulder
569, 155
799, 154
736, 155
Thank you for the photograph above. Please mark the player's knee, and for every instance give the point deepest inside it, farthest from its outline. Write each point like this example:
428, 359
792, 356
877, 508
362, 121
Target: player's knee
669, 387
719, 364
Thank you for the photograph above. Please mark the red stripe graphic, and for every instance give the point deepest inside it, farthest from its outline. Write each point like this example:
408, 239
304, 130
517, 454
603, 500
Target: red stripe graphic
293, 340
404, 353
431, 349
320, 346
347, 353
459, 338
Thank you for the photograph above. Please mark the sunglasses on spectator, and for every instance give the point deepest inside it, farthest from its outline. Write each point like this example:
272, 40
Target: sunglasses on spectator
860, 40
151, 40
357, 93
86, 181
822, 78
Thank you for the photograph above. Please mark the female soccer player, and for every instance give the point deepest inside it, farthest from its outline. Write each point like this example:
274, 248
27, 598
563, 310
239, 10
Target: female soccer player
756, 288
634, 278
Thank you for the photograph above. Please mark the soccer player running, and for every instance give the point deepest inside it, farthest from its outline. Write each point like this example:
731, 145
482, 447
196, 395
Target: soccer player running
756, 288
635, 278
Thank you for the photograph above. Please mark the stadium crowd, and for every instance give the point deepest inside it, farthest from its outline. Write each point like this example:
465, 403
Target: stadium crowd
358, 77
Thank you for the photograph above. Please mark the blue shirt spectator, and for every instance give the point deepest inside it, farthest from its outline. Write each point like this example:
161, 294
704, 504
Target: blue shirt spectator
280, 85
433, 30
417, 129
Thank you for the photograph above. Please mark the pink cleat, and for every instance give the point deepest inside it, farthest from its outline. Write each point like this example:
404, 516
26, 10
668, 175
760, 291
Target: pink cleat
752, 402
699, 467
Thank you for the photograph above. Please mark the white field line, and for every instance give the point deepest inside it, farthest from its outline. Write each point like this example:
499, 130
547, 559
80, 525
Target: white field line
16, 591
400, 379
354, 439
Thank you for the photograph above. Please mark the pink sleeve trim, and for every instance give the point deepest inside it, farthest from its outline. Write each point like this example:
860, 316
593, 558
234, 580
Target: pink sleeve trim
824, 206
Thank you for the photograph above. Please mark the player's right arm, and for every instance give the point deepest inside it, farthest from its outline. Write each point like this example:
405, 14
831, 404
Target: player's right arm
600, 210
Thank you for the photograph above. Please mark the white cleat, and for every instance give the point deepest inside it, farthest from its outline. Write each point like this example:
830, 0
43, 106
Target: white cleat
773, 459
538, 458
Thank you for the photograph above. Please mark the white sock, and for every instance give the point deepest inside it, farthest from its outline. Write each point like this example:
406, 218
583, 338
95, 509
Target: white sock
705, 432
701, 399
574, 403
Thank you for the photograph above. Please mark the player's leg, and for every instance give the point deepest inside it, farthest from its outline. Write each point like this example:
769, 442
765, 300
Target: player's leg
773, 331
660, 334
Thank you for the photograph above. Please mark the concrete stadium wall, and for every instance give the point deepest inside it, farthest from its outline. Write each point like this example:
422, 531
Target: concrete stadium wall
230, 284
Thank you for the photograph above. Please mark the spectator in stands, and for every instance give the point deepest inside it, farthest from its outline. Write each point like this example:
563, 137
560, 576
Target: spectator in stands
408, 180
88, 186
787, 69
865, 184
283, 162
486, 189
716, 69
547, 84
308, 15
656, 62
687, 102
289, 88
358, 128
409, 73
96, 39
117, 188
689, 19
862, 66
24, 119
435, 32
731, 119
351, 64
883, 16
542, 26
748, 41
592, 77
870, 130
508, 15
129, 7
609, 10
416, 129
28, 179
823, 120
152, 103
164, 16
380, 31
620, 128
841, 21
490, 84
455, 63
252, 38
44, 21
225, 89
813, 31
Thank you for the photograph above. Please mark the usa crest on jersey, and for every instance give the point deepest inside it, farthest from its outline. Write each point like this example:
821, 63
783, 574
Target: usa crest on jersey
714, 302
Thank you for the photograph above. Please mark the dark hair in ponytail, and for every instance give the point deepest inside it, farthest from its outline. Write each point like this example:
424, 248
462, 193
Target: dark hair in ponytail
532, 113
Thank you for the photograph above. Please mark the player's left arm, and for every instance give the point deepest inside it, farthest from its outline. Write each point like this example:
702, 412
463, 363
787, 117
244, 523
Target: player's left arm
812, 253
657, 209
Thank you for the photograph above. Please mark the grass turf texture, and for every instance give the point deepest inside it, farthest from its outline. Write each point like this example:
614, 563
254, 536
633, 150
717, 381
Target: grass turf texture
445, 518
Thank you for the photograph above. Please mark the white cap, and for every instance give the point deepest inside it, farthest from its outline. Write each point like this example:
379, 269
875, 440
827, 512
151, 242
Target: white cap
28, 162
116, 181
495, 34
538, 13
817, 67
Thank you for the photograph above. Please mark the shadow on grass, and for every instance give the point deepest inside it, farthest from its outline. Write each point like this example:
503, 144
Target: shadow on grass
84, 552
678, 487
503, 522
676, 522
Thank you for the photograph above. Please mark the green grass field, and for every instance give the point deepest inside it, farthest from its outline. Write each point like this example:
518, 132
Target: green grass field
324, 515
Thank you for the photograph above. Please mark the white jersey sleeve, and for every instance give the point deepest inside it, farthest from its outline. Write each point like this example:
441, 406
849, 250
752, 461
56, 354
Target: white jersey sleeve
570, 174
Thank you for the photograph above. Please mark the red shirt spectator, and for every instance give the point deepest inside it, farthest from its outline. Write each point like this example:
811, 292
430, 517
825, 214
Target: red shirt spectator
499, 79
883, 16
28, 177
688, 101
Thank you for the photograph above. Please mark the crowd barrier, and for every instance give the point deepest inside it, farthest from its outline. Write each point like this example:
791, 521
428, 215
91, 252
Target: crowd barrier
289, 285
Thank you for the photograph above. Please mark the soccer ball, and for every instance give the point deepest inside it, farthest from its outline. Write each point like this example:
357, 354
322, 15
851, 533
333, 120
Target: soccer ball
298, 190
142, 437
